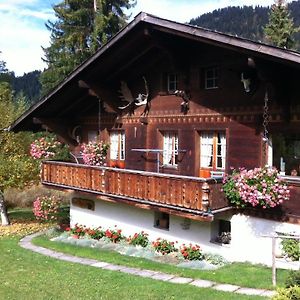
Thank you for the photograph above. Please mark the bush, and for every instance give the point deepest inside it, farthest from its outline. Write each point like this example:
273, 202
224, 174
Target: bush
46, 208
94, 153
139, 239
261, 187
291, 293
291, 248
293, 279
96, 234
24, 198
191, 252
163, 246
114, 235
49, 147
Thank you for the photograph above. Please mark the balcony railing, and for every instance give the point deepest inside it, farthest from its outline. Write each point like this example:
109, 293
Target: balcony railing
188, 194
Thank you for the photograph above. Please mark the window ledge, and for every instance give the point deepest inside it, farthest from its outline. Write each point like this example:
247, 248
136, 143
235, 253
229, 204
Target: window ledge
221, 244
169, 167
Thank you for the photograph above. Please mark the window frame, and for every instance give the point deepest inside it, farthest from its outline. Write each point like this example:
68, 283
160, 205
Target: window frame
173, 82
214, 79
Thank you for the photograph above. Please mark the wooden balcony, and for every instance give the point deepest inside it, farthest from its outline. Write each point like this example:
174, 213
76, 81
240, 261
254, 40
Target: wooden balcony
190, 197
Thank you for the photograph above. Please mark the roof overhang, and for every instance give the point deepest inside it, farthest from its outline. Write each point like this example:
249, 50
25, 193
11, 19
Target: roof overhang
62, 94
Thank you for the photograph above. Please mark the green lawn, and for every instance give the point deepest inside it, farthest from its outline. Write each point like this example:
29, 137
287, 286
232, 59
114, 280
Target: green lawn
242, 274
28, 275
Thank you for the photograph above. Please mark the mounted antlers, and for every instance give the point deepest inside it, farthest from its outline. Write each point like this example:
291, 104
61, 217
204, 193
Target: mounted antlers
126, 95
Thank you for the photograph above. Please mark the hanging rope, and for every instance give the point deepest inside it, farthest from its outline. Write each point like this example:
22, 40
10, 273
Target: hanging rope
99, 119
265, 134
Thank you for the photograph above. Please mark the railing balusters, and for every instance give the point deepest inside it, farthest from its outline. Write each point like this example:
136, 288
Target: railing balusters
161, 188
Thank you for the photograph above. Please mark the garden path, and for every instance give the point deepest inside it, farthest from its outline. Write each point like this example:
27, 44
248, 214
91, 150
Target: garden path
26, 243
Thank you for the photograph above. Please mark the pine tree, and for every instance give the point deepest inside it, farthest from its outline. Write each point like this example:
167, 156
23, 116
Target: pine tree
82, 26
280, 29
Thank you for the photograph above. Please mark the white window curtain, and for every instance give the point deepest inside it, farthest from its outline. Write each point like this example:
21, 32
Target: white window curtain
206, 150
223, 149
114, 145
167, 150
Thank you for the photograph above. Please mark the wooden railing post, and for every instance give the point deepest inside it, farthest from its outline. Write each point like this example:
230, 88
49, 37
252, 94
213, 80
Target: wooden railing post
205, 196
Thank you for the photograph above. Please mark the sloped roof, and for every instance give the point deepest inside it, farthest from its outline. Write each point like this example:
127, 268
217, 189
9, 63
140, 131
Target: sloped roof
139, 23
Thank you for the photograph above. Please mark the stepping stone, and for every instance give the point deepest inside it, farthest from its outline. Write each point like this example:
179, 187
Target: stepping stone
146, 273
113, 267
269, 293
162, 276
249, 291
181, 280
100, 264
226, 287
87, 261
130, 270
202, 283
70, 258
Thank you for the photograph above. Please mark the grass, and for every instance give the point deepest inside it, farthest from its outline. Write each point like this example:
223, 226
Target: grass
243, 274
28, 275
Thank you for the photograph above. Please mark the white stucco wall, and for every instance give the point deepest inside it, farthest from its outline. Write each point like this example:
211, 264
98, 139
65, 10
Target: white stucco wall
247, 243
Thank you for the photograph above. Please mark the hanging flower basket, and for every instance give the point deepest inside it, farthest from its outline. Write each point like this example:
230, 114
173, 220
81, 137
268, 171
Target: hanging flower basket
260, 187
94, 153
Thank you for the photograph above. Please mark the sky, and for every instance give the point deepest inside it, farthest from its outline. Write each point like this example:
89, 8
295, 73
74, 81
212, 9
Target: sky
23, 32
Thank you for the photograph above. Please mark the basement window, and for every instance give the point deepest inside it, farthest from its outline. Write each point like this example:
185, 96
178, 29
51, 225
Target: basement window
221, 232
161, 220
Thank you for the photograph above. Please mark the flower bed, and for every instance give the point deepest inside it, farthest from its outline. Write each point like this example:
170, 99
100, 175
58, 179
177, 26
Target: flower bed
138, 245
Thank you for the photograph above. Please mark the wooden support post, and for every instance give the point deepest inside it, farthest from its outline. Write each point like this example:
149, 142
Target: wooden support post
205, 196
273, 261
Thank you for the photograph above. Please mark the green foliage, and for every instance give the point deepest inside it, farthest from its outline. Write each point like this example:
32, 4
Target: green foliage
139, 239
81, 27
246, 21
291, 248
164, 246
280, 29
293, 279
291, 293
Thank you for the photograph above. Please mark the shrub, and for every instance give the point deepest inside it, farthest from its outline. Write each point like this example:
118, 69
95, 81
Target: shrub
24, 198
114, 235
191, 252
163, 246
94, 153
291, 293
46, 208
260, 187
139, 239
77, 231
291, 248
48, 147
96, 234
293, 279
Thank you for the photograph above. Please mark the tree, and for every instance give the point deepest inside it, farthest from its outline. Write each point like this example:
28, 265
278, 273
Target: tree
280, 29
16, 167
82, 26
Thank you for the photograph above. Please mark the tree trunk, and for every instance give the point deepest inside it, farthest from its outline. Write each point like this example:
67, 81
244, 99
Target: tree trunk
3, 211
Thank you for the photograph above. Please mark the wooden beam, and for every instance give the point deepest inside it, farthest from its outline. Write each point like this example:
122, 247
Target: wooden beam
60, 127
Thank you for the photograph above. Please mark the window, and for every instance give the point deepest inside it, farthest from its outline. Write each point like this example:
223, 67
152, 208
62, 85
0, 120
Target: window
92, 135
161, 220
172, 83
212, 151
211, 78
286, 153
170, 149
117, 145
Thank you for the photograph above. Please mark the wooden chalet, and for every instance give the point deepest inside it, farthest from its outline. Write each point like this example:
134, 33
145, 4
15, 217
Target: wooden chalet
180, 105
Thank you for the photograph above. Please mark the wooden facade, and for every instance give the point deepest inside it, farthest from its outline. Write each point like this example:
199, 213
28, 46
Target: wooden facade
206, 69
